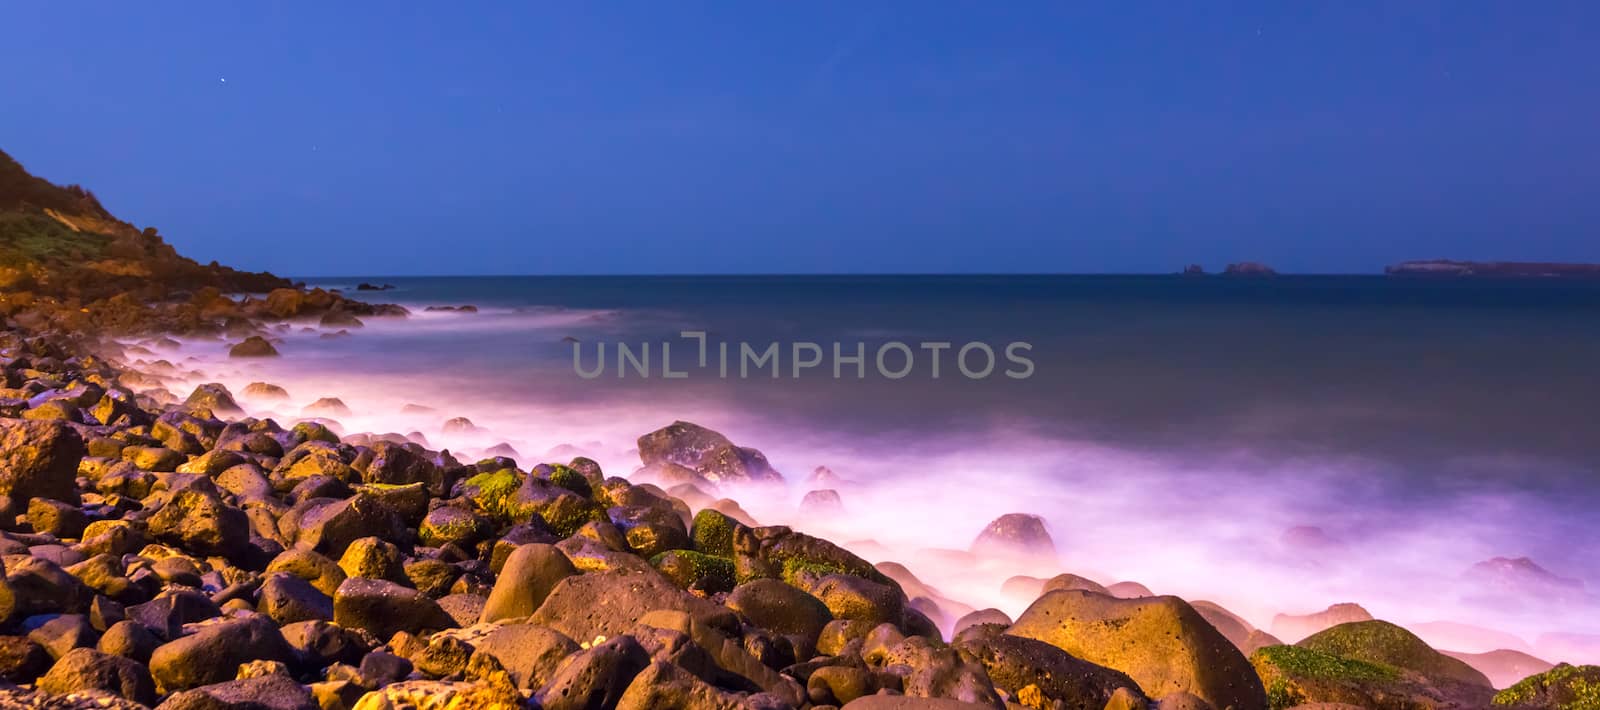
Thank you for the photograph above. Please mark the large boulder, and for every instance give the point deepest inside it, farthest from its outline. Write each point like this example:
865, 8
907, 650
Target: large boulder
609, 603
1014, 663
529, 654
1016, 534
383, 608
213, 653
267, 692
1303, 677
595, 677
200, 522
253, 346
39, 459
1388, 644
529, 574
780, 608
706, 452
1162, 643
84, 669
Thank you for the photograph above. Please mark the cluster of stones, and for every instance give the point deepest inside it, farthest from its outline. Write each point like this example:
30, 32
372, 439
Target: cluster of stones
184, 556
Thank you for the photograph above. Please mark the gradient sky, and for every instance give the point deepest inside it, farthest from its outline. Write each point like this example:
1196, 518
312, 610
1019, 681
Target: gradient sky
657, 137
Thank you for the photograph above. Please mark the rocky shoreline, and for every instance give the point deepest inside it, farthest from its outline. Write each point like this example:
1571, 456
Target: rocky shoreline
176, 553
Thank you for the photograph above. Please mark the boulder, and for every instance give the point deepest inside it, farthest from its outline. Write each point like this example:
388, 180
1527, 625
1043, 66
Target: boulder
383, 608
1388, 644
1014, 663
198, 521
529, 653
780, 608
85, 669
214, 652
39, 459
529, 574
1016, 534
253, 346
606, 604
664, 685
213, 396
595, 677
1162, 643
266, 692
707, 452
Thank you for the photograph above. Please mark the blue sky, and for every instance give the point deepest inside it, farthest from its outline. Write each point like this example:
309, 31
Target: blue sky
620, 137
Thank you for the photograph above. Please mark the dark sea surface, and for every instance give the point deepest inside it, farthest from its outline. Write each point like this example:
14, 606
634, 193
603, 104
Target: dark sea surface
1173, 428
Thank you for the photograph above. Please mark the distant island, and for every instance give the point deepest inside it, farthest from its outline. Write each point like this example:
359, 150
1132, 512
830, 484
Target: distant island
1494, 269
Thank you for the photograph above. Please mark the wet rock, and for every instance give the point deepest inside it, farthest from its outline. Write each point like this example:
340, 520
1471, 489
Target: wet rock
1014, 662
780, 608
213, 396
452, 525
324, 643
383, 608
372, 558
328, 407
266, 692
264, 391
595, 677
63, 520
64, 633
429, 694
253, 346
529, 653
1388, 644
39, 459
850, 597
1162, 643
22, 660
323, 574
288, 599
707, 452
527, 578
664, 685
696, 572
200, 522
1015, 534
128, 639
938, 671
606, 604
981, 617
86, 669
331, 527
213, 653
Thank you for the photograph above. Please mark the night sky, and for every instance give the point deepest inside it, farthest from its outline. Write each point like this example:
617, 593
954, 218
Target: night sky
676, 137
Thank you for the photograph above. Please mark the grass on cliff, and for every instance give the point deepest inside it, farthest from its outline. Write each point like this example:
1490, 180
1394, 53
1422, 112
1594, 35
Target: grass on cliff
32, 238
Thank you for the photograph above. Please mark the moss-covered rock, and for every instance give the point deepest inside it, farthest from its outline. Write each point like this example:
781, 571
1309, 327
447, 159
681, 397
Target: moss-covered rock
1564, 687
712, 533
1383, 642
1297, 676
696, 571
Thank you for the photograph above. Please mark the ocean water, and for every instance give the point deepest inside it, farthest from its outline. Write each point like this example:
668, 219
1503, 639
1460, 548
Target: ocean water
1275, 445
